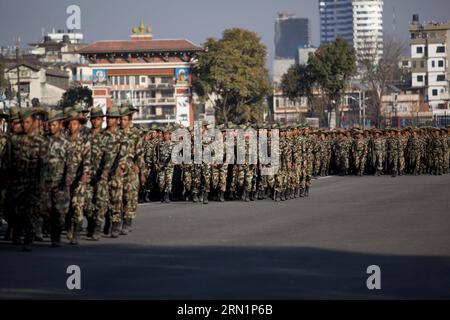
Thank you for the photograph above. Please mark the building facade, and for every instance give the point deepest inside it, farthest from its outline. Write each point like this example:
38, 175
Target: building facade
430, 63
151, 74
359, 22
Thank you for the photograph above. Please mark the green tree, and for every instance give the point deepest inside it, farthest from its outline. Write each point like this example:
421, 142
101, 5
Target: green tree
333, 65
231, 73
299, 81
75, 95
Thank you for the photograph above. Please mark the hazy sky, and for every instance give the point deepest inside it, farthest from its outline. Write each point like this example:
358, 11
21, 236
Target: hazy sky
195, 20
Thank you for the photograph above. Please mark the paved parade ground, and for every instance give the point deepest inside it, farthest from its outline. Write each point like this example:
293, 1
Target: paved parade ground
316, 247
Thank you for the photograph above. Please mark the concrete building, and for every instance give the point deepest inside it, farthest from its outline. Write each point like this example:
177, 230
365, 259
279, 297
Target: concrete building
359, 22
291, 33
430, 63
151, 74
47, 85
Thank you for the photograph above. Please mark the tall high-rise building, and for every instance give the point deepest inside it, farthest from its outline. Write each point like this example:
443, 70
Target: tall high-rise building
359, 22
291, 33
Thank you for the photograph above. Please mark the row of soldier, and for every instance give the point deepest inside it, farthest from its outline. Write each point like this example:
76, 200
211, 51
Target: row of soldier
57, 172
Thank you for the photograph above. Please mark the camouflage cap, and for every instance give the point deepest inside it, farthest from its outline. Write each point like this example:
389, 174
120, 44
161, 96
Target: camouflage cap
14, 114
113, 112
55, 115
126, 111
96, 112
73, 115
78, 107
26, 112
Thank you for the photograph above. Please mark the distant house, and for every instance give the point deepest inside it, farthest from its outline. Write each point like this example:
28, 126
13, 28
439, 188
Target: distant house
45, 84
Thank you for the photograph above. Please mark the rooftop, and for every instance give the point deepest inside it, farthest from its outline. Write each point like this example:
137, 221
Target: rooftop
165, 45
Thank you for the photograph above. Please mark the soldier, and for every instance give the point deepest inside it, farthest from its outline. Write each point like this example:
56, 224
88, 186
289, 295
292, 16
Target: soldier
114, 156
359, 152
150, 158
80, 154
280, 177
58, 174
378, 148
98, 185
343, 152
133, 167
165, 165
27, 173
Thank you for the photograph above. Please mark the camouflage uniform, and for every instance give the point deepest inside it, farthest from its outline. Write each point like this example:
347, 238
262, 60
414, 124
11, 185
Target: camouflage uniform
165, 163
27, 174
58, 169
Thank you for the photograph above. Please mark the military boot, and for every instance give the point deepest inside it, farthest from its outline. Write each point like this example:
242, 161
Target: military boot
302, 192
76, 228
245, 196
96, 234
38, 236
260, 195
221, 196
205, 197
307, 192
167, 197
295, 193
107, 226
276, 196
90, 227
125, 225
195, 197
115, 229
252, 195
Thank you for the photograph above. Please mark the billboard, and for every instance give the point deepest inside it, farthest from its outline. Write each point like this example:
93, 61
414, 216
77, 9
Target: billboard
182, 75
99, 77
183, 111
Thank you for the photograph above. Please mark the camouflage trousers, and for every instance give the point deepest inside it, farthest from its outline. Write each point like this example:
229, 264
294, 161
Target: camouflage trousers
115, 188
305, 176
281, 179
26, 216
393, 162
359, 163
130, 192
201, 178
378, 160
98, 194
401, 162
219, 177
343, 162
56, 202
245, 175
165, 176
79, 198
187, 177
415, 162
266, 181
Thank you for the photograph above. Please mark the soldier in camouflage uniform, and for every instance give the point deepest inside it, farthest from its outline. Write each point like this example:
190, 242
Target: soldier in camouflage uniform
97, 189
114, 157
59, 171
26, 168
359, 151
378, 149
80, 154
165, 165
343, 152
150, 158
281, 176
133, 167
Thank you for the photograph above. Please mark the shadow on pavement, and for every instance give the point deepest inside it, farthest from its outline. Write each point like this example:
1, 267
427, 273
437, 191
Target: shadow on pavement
128, 271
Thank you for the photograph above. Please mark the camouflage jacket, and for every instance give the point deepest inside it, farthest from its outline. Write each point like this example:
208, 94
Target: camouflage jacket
80, 155
58, 165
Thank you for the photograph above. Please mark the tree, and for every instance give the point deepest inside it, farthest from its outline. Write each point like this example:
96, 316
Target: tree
76, 95
299, 81
231, 72
378, 74
333, 65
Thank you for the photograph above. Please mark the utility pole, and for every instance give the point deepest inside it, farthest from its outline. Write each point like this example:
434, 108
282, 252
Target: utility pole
364, 109
18, 73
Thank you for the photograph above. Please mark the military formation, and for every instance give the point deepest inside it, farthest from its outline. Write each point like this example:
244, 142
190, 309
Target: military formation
57, 172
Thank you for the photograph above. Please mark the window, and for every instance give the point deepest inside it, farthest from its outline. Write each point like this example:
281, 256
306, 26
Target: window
419, 50
143, 79
422, 64
122, 80
440, 49
433, 64
440, 77
414, 64
434, 92
441, 63
419, 78
405, 63
136, 80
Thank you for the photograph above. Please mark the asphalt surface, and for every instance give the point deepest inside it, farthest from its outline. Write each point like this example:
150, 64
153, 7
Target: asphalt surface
316, 247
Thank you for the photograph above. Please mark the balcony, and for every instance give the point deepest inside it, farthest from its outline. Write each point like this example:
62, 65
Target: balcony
145, 101
167, 85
